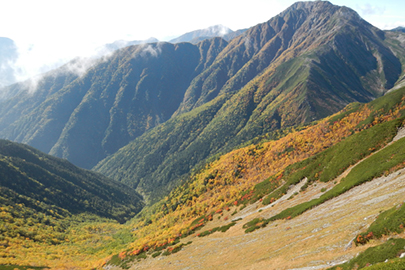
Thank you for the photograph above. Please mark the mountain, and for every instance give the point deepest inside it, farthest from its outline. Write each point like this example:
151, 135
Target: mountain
48, 184
399, 29
149, 114
199, 35
331, 179
8, 56
47, 204
236, 147
135, 89
274, 76
322, 187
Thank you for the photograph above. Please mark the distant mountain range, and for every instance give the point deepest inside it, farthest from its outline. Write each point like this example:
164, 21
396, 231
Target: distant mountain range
214, 31
399, 29
171, 106
8, 56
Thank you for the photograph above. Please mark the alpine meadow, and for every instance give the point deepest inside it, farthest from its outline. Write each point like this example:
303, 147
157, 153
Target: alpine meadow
279, 146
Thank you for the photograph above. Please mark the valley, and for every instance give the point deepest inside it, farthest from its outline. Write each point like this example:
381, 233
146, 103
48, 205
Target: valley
280, 146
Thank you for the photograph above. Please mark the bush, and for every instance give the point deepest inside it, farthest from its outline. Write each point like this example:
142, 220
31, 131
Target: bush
154, 255
389, 250
388, 222
372, 167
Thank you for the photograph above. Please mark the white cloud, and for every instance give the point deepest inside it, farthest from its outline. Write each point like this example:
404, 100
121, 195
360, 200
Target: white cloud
369, 9
152, 50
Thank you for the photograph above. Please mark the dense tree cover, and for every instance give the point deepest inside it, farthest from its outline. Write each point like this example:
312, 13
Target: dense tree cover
53, 210
79, 241
46, 183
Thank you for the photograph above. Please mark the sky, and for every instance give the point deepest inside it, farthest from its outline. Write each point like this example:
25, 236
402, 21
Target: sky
51, 32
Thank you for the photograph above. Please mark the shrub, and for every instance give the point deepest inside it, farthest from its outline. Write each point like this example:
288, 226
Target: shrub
388, 222
154, 255
389, 250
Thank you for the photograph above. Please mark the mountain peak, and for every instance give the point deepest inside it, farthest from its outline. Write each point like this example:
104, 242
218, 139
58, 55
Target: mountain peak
201, 34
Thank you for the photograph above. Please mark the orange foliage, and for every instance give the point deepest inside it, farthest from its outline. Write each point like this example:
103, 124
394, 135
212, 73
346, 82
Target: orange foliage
253, 164
122, 255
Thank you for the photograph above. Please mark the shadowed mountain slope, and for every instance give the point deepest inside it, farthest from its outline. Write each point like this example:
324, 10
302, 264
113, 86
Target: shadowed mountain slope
52, 185
84, 117
304, 64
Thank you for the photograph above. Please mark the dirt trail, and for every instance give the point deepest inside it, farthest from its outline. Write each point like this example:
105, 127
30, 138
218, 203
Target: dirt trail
317, 239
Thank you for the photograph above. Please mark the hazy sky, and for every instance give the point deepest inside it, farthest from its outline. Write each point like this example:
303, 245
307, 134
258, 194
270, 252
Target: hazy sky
51, 31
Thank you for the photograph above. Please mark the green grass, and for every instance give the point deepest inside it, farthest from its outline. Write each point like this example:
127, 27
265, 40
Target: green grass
217, 229
395, 264
388, 222
389, 250
333, 161
330, 163
255, 224
373, 167
154, 255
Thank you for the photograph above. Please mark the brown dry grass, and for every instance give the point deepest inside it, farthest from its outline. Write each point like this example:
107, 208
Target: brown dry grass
315, 240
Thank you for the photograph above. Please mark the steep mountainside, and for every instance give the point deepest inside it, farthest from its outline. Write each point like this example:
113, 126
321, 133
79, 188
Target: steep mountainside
51, 185
304, 64
313, 183
312, 191
47, 204
324, 38
84, 117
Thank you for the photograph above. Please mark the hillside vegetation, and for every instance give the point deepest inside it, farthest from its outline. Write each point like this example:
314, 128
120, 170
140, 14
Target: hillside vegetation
273, 77
206, 203
320, 152
204, 99
280, 148
46, 202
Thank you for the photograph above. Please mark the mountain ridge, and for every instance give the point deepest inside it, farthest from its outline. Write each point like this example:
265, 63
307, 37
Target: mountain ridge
287, 93
304, 64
